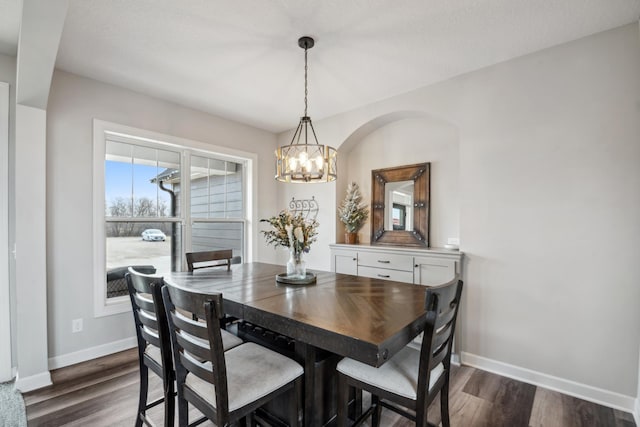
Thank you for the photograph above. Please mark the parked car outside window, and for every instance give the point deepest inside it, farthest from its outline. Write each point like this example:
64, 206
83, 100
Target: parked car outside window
153, 235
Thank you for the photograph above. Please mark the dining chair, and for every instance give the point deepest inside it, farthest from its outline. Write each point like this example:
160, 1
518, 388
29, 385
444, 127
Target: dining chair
154, 342
207, 259
210, 259
412, 378
229, 386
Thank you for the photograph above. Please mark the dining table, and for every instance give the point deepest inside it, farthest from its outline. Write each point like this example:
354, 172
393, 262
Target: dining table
366, 319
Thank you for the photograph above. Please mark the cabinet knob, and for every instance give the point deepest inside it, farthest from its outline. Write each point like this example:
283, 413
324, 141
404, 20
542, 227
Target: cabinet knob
382, 261
384, 276
355, 259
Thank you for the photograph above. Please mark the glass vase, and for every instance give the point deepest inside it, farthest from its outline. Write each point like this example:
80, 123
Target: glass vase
296, 267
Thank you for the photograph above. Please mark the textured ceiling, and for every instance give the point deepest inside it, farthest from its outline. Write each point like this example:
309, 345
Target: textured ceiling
240, 59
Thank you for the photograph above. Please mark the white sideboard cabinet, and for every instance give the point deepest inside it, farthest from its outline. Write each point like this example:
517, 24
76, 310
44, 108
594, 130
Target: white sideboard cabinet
428, 267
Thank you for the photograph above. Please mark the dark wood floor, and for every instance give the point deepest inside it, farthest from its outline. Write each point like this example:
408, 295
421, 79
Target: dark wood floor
104, 392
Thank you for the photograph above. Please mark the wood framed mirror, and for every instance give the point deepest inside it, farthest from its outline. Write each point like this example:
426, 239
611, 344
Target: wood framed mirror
400, 205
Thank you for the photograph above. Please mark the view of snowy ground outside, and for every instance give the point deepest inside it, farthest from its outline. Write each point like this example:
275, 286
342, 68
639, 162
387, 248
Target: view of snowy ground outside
125, 251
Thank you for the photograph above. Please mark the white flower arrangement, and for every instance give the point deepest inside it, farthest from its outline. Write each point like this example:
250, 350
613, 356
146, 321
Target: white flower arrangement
291, 231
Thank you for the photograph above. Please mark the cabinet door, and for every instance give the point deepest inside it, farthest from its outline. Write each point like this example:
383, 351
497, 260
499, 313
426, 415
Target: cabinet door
345, 263
432, 271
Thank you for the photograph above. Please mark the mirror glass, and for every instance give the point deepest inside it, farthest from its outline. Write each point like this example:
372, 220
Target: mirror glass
398, 211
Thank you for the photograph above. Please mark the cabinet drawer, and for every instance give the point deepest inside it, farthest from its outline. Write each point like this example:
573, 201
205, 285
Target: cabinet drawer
386, 260
386, 274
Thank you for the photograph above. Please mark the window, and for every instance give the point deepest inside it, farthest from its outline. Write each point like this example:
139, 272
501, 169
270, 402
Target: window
141, 219
160, 200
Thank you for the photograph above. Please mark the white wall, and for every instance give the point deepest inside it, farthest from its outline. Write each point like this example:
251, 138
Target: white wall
73, 104
549, 206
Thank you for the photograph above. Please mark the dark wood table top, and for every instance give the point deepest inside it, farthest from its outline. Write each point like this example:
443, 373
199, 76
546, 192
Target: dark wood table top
363, 318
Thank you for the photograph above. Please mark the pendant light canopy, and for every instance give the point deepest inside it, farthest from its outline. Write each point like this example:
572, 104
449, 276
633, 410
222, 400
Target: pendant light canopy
300, 161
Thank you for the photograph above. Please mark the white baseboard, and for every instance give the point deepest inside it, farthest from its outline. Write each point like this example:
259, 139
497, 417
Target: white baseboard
91, 353
571, 388
636, 412
33, 382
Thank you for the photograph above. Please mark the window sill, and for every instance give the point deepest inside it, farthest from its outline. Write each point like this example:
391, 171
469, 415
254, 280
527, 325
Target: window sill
113, 306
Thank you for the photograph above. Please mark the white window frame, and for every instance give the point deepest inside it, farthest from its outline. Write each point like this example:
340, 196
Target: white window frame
102, 131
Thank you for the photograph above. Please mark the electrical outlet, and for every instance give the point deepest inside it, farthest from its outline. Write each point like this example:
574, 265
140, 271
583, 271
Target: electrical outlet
76, 325
453, 241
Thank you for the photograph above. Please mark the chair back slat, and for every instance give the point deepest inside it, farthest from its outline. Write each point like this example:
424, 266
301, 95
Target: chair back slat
442, 336
188, 344
190, 326
151, 337
439, 354
197, 368
145, 301
206, 259
204, 359
446, 316
192, 302
148, 319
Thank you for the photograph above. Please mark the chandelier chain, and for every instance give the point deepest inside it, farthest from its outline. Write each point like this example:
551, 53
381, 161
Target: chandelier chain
305, 82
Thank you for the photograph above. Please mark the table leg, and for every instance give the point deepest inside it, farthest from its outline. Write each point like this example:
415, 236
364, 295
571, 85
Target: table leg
306, 355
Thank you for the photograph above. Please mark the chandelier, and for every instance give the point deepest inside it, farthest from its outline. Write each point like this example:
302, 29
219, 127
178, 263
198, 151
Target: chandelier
300, 161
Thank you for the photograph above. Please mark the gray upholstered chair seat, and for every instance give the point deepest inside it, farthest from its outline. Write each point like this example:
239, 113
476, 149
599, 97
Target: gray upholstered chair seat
153, 352
252, 372
229, 340
398, 375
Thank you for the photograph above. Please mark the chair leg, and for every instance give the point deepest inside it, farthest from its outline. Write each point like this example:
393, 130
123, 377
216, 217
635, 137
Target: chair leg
355, 409
421, 416
358, 403
251, 420
343, 400
142, 398
169, 405
183, 412
377, 411
444, 403
296, 403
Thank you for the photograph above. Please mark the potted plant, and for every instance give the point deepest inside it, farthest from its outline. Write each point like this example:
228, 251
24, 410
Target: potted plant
353, 213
